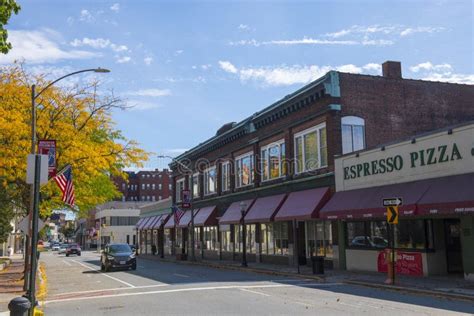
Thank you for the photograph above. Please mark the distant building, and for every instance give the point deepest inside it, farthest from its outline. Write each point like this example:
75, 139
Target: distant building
145, 186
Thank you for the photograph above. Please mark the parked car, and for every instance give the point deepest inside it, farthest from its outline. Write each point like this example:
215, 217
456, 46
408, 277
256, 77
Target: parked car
117, 256
73, 249
55, 246
62, 249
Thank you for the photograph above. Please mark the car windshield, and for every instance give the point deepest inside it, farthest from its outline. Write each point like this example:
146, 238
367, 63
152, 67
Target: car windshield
119, 248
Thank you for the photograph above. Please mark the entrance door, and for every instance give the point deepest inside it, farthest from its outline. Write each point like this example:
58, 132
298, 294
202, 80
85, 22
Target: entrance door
452, 228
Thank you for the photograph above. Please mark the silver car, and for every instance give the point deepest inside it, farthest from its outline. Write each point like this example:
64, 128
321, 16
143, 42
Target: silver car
62, 249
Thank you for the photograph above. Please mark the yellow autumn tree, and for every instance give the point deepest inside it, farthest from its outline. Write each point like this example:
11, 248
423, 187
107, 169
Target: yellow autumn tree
79, 119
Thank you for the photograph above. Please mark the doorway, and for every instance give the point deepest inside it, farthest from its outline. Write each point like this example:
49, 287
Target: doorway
301, 243
452, 229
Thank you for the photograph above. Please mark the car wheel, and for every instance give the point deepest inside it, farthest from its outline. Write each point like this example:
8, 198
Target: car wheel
134, 267
79, 254
102, 267
67, 255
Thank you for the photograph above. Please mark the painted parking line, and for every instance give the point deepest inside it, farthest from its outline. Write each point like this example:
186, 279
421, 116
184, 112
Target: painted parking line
67, 263
109, 290
255, 292
104, 274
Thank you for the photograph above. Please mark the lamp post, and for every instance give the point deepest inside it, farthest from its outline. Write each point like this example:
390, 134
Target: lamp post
162, 229
34, 202
243, 207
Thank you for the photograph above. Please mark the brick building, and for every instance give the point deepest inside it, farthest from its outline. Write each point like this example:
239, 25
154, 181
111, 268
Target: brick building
276, 167
145, 185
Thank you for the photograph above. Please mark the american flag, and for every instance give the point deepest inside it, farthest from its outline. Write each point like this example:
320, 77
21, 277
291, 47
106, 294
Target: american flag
64, 181
178, 214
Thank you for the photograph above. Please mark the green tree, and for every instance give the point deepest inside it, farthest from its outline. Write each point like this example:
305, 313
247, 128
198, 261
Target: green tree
7, 8
6, 215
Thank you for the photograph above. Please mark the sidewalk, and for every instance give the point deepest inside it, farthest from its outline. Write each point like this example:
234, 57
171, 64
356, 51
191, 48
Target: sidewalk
454, 287
11, 282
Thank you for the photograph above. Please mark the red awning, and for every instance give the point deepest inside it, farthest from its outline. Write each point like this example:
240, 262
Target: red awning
449, 195
368, 202
170, 223
264, 209
206, 216
149, 224
156, 223
303, 205
186, 219
233, 215
144, 222
161, 221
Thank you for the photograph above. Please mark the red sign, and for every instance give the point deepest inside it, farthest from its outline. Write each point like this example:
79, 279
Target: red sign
186, 198
48, 147
408, 263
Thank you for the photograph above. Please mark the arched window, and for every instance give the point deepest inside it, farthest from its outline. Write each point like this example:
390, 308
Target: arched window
353, 134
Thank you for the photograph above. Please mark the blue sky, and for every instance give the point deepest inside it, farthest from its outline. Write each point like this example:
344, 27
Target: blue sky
188, 67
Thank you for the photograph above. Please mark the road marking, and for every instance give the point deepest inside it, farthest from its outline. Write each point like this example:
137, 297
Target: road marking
104, 274
113, 289
67, 263
255, 292
302, 303
224, 287
181, 275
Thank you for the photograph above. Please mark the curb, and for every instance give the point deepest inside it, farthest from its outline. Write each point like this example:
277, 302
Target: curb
412, 290
243, 269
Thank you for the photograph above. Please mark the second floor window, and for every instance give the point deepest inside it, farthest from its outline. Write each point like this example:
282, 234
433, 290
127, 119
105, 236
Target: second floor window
353, 134
143, 186
179, 189
273, 161
153, 186
195, 186
210, 181
244, 170
225, 178
311, 149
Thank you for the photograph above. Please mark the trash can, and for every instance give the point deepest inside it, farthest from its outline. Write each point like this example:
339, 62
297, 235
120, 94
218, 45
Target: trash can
19, 306
318, 264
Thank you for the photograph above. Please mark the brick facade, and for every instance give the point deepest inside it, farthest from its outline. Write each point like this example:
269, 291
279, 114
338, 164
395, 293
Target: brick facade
145, 185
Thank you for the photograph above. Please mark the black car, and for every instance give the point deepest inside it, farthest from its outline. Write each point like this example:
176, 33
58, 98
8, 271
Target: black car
117, 256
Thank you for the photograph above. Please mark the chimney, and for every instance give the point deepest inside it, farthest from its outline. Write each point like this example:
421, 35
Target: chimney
392, 69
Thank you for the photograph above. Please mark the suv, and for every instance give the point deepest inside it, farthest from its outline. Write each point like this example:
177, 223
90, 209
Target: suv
73, 249
55, 246
117, 256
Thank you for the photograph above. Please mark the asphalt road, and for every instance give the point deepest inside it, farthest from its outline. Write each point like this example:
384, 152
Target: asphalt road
77, 287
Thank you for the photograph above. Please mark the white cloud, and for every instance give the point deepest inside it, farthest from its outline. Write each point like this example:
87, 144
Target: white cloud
430, 67
98, 43
243, 27
288, 75
175, 151
178, 52
148, 60
441, 72
151, 93
227, 66
123, 60
312, 41
86, 16
373, 67
138, 105
421, 29
115, 7
70, 20
206, 66
40, 46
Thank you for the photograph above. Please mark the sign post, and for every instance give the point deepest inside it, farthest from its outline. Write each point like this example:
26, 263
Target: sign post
392, 219
186, 204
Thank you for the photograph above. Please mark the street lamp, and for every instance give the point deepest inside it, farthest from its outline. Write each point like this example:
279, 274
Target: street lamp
34, 203
243, 207
162, 229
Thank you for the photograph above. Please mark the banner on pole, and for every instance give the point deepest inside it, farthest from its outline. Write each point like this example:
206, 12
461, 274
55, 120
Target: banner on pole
48, 147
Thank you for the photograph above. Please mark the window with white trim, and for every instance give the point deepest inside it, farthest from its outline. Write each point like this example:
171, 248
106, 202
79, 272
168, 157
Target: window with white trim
195, 186
244, 170
225, 176
272, 160
353, 134
311, 149
179, 189
210, 184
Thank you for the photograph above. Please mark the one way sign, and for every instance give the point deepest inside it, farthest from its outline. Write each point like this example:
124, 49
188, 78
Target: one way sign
392, 209
392, 202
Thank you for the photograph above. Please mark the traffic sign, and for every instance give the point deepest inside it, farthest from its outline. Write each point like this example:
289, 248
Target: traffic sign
392, 214
392, 202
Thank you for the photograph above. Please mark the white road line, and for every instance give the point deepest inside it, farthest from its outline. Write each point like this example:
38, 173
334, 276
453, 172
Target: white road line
225, 287
181, 275
113, 289
104, 274
67, 263
255, 292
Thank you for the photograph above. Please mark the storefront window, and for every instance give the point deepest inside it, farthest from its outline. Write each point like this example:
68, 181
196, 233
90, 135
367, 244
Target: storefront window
210, 238
238, 238
226, 242
179, 237
275, 238
319, 239
250, 238
409, 234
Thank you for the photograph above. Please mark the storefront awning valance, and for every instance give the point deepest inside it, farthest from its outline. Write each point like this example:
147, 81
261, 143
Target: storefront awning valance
233, 214
206, 216
186, 219
303, 205
170, 222
150, 223
144, 223
156, 223
264, 209
368, 202
140, 221
448, 195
